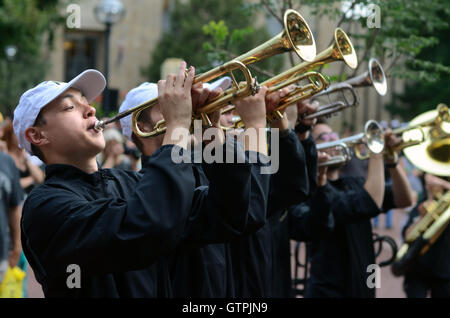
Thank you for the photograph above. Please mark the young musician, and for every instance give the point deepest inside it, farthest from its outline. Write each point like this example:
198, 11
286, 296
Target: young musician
298, 222
198, 268
109, 226
253, 255
340, 260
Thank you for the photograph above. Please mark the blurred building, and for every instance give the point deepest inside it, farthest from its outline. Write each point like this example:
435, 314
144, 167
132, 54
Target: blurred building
131, 44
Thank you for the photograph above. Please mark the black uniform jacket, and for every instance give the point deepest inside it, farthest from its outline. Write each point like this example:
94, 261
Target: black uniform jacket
340, 258
302, 222
114, 225
201, 269
252, 255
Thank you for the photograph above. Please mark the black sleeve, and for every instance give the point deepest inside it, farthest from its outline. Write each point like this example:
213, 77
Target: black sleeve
289, 185
388, 199
259, 195
353, 206
310, 220
110, 234
310, 149
220, 210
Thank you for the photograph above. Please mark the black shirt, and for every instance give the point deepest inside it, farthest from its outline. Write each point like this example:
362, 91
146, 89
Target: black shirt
340, 258
253, 255
200, 269
298, 222
112, 223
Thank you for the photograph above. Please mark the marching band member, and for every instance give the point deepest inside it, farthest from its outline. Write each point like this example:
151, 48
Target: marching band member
339, 260
110, 224
199, 268
298, 222
252, 255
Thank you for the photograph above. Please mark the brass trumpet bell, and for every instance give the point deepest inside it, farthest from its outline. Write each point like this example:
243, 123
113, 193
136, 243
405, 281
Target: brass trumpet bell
374, 76
432, 154
372, 137
296, 36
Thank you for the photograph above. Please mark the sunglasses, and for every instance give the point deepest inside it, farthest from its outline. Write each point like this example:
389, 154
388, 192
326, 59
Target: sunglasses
328, 136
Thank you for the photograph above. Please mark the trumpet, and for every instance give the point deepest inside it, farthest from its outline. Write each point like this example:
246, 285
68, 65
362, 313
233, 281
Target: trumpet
348, 98
296, 36
341, 50
342, 155
372, 137
317, 83
374, 77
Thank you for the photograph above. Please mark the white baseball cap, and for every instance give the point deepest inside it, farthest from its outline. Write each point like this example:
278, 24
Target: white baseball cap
90, 82
147, 91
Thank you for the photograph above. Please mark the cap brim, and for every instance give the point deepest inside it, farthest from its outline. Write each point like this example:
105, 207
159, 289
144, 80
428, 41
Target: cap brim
222, 83
91, 83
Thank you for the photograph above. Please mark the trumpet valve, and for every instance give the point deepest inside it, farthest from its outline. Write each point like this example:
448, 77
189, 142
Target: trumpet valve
274, 116
255, 87
206, 122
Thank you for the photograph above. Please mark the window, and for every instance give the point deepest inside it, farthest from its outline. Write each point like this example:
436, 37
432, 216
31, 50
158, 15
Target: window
80, 52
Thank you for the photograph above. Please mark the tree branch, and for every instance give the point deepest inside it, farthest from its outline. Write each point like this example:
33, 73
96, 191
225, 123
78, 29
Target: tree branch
270, 10
345, 13
394, 61
367, 49
339, 24
260, 70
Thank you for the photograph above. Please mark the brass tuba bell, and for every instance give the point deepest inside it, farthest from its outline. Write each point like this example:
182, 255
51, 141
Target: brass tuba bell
430, 149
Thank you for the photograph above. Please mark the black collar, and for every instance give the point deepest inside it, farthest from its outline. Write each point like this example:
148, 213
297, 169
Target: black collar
69, 172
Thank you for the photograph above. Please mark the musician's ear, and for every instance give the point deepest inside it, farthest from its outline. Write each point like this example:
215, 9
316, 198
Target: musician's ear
36, 136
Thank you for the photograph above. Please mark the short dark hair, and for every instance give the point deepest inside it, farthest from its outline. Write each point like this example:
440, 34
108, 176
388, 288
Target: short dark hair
40, 121
137, 142
145, 116
322, 120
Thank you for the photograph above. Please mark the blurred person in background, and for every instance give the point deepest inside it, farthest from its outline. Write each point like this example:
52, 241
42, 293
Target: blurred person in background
134, 155
31, 174
113, 156
11, 198
3, 147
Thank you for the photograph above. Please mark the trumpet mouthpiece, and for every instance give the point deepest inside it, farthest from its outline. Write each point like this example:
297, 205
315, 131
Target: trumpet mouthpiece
99, 125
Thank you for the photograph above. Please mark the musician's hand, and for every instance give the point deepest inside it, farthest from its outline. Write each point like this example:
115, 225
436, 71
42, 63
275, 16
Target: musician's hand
422, 208
252, 109
174, 98
196, 94
304, 108
206, 97
391, 141
436, 181
322, 157
272, 102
